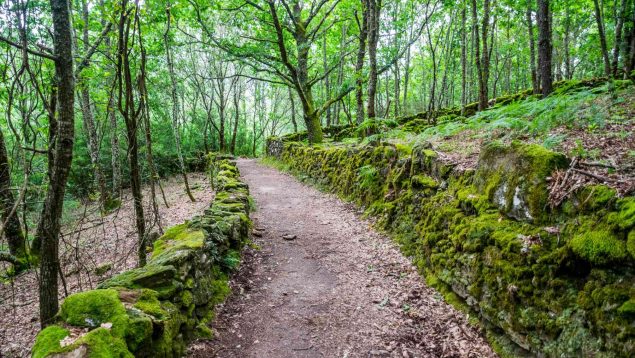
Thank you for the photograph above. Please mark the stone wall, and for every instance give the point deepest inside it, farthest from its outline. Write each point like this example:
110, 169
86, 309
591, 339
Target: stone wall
542, 281
155, 310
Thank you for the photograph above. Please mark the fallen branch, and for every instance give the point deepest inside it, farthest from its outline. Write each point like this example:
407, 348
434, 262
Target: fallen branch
597, 177
597, 164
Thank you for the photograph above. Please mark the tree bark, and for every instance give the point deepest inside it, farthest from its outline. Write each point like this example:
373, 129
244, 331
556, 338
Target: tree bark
293, 120
374, 9
463, 60
10, 219
175, 102
603, 46
48, 228
545, 49
236, 118
130, 112
535, 83
359, 64
618, 38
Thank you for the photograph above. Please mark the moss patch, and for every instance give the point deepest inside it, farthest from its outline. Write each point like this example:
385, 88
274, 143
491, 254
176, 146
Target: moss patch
48, 341
92, 308
599, 247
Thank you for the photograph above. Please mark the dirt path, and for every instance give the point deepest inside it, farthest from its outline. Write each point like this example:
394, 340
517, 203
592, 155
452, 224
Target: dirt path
338, 290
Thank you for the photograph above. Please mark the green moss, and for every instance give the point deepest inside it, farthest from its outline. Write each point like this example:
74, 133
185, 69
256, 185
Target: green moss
596, 197
48, 341
627, 309
179, 237
630, 243
423, 182
92, 308
626, 216
598, 247
149, 303
102, 344
220, 290
202, 331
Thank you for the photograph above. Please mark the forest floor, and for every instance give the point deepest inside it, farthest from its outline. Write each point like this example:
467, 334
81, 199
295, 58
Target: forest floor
338, 289
93, 248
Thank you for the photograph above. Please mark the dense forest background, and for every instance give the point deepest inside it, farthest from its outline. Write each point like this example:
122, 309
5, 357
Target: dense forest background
98, 96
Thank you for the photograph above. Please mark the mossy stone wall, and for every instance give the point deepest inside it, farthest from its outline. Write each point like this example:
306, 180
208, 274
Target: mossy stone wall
547, 282
155, 310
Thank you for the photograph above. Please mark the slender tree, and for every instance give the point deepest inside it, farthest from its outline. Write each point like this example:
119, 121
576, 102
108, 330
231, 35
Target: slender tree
61, 153
544, 47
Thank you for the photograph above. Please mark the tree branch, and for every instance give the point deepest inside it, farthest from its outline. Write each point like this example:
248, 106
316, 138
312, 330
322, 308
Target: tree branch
29, 50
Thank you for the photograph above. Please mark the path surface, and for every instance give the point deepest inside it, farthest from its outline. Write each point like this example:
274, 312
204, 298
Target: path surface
338, 290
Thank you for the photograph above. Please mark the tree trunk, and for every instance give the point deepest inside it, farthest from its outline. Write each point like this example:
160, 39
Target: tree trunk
327, 82
48, 228
568, 68
293, 120
89, 119
544, 47
359, 64
483, 88
175, 103
236, 118
618, 38
463, 60
8, 210
130, 113
602, 34
374, 9
532, 50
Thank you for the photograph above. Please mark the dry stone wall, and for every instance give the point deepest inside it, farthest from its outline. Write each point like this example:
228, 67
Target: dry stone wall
153, 311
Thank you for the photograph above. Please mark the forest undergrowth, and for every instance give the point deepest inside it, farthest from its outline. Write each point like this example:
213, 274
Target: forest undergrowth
93, 248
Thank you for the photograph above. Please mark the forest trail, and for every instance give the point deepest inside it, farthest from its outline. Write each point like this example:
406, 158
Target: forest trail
339, 289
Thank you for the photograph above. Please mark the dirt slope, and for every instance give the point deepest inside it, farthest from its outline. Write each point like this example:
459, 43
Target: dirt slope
338, 290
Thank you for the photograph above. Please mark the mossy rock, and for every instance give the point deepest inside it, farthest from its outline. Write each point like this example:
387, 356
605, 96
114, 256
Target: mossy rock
626, 213
149, 276
599, 247
48, 341
93, 308
179, 237
514, 177
630, 243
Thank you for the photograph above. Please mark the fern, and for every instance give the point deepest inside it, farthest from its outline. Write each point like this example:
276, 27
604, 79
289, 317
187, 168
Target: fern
368, 176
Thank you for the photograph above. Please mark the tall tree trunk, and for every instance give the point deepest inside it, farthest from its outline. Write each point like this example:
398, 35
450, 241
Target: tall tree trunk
359, 64
535, 83
463, 59
374, 9
145, 116
485, 60
481, 58
175, 102
603, 46
112, 120
629, 59
568, 68
237, 91
618, 37
48, 228
130, 112
327, 81
89, 119
293, 120
8, 210
544, 47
